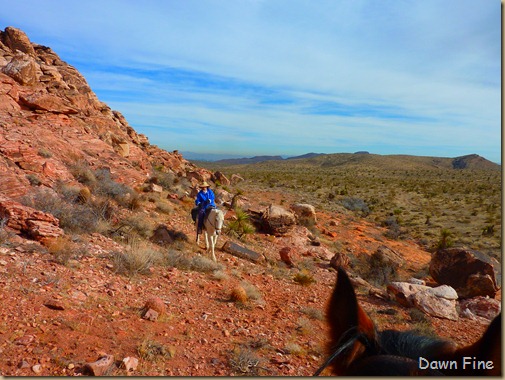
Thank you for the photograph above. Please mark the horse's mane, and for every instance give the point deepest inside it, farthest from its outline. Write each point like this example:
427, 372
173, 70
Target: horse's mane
411, 345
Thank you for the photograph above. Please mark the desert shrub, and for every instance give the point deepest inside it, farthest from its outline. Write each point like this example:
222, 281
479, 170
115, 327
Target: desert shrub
219, 275
243, 361
44, 153
294, 349
179, 260
176, 259
4, 235
63, 249
139, 224
393, 227
83, 173
105, 186
355, 204
204, 264
313, 313
33, 179
380, 270
252, 292
422, 324
163, 206
150, 350
74, 218
137, 258
304, 278
304, 326
164, 179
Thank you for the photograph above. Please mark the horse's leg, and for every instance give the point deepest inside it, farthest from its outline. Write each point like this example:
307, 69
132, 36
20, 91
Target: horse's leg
206, 240
213, 239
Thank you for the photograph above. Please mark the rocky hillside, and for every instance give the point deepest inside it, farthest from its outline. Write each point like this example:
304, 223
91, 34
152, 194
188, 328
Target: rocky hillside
100, 273
50, 119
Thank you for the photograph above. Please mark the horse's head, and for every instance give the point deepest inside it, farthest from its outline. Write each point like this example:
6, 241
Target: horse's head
219, 220
358, 348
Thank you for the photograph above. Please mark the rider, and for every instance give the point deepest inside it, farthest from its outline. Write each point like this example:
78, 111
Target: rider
205, 200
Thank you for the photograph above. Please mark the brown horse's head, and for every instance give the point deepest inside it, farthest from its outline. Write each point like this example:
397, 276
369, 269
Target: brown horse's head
358, 348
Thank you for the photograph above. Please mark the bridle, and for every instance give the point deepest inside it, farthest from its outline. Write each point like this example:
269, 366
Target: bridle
218, 230
352, 335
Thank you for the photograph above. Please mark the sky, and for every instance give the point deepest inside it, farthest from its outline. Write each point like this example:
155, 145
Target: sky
287, 77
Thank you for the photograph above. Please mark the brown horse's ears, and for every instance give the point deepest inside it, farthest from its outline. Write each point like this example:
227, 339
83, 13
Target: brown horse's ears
346, 318
485, 354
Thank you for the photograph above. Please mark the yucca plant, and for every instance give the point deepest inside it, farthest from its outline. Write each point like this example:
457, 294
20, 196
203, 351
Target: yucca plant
241, 225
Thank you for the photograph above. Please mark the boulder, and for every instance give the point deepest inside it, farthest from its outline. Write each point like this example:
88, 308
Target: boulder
471, 273
305, 213
438, 302
278, 221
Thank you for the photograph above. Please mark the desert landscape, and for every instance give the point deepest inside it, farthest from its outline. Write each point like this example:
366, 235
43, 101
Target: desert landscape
100, 273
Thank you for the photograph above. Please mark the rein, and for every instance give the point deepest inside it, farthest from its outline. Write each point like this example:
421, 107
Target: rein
344, 346
213, 225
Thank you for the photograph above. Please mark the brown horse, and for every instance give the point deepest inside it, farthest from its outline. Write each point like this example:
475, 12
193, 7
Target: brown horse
358, 348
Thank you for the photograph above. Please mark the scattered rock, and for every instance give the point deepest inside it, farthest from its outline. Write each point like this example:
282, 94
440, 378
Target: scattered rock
284, 253
130, 363
25, 340
151, 315
471, 273
23, 364
54, 304
37, 368
100, 367
155, 304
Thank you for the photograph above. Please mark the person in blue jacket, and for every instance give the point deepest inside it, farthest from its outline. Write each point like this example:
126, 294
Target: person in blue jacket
205, 199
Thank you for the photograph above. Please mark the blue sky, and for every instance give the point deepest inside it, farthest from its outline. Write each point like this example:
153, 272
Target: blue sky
287, 77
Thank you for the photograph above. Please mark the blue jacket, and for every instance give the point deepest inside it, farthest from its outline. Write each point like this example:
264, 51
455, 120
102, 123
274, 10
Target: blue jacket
206, 199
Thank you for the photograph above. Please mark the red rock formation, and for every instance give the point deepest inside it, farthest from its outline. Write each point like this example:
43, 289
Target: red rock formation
50, 119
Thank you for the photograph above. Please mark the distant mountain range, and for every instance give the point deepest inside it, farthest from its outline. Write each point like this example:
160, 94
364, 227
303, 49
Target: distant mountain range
398, 161
218, 158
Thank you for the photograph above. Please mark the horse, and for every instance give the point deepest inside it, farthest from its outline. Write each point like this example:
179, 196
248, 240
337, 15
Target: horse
212, 226
357, 348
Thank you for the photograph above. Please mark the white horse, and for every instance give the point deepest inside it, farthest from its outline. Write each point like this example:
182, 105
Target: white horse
212, 228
